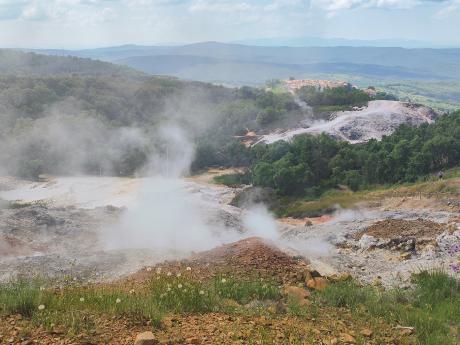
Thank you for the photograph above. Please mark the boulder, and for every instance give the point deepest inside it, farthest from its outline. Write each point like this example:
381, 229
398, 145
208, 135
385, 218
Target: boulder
317, 283
347, 338
406, 256
146, 338
367, 332
447, 240
297, 294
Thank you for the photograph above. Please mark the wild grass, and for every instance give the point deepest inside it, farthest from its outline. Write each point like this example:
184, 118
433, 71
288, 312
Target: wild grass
430, 187
327, 203
432, 308
75, 307
245, 291
230, 180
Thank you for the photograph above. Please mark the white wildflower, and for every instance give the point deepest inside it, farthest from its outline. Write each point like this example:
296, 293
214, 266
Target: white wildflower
169, 274
82, 299
224, 280
118, 300
149, 269
131, 291
179, 286
41, 307
188, 268
201, 292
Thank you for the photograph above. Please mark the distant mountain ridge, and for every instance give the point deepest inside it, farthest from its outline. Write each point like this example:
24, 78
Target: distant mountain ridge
30, 64
339, 41
251, 65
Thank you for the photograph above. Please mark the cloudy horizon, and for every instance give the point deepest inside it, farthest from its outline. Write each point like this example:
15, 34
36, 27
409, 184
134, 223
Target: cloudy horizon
96, 23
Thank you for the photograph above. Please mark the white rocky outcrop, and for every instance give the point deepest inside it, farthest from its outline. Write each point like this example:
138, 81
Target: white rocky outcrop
379, 118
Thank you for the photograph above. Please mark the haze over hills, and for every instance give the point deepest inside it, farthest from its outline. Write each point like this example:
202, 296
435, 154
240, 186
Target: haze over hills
18, 63
251, 65
339, 41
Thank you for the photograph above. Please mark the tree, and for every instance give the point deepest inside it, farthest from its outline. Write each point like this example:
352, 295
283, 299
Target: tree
263, 175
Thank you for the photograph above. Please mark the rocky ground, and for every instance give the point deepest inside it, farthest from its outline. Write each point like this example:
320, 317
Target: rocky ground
258, 322
381, 243
377, 241
359, 125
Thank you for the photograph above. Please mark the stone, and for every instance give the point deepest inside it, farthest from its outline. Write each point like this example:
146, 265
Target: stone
318, 283
341, 277
347, 338
145, 338
297, 294
447, 239
406, 330
366, 332
406, 256
377, 281
367, 241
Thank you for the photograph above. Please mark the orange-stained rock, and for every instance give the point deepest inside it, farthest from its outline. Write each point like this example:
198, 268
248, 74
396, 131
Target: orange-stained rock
317, 283
297, 294
146, 338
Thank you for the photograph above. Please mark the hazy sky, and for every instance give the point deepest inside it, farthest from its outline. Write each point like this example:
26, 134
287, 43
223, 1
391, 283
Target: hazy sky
91, 23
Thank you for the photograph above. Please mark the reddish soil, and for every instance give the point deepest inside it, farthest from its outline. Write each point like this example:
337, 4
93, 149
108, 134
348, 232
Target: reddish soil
307, 220
391, 228
328, 327
246, 258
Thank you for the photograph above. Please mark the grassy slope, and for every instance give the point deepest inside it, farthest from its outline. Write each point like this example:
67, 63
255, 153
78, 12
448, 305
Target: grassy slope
344, 308
345, 198
290, 207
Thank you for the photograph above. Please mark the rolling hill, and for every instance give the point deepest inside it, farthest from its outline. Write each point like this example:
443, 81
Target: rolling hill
252, 65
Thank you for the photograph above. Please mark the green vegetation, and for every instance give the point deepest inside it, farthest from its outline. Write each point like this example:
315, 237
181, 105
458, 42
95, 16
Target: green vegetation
337, 96
431, 308
109, 123
75, 307
345, 198
235, 179
310, 165
440, 95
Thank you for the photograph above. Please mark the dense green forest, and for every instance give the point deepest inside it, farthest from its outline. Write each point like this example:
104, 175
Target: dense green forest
337, 96
333, 96
312, 164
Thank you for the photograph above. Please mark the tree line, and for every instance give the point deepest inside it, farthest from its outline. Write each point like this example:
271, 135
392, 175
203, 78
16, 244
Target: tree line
310, 164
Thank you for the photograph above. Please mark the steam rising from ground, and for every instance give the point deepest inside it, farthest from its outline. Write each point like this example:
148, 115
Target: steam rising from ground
71, 145
167, 215
259, 222
164, 217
